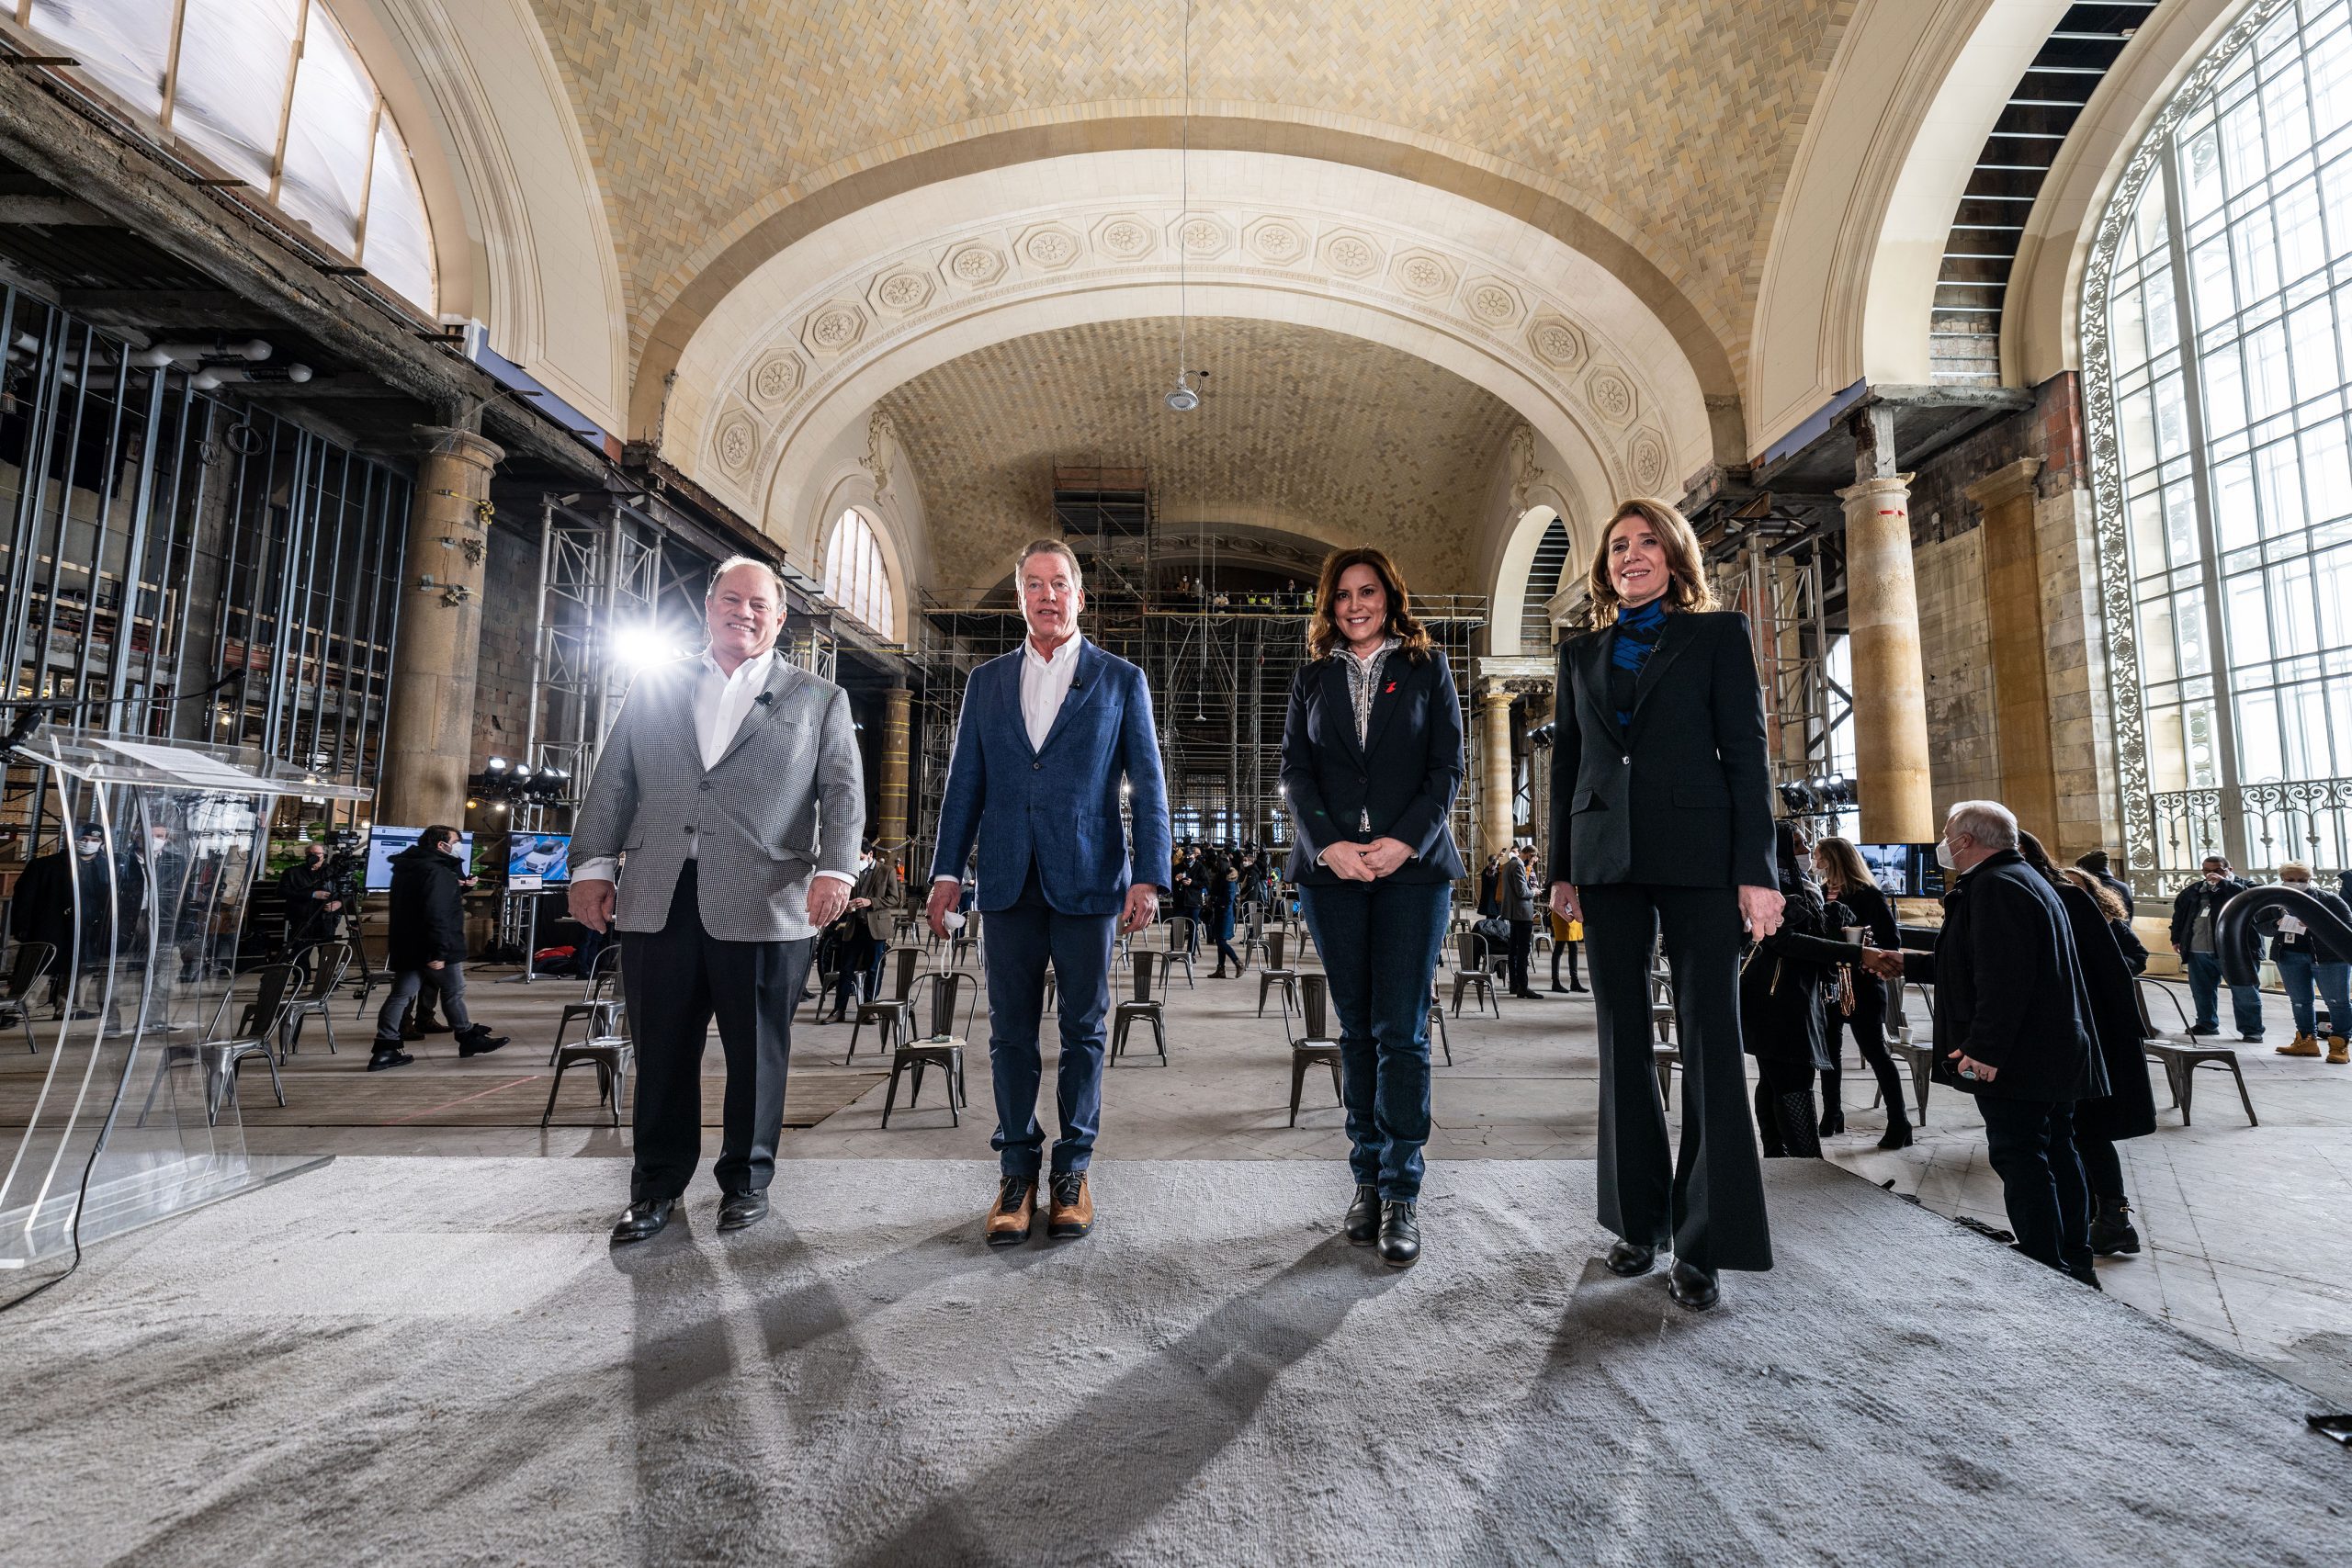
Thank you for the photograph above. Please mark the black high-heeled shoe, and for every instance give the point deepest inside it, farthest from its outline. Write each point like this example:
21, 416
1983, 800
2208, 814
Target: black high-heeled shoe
1898, 1136
1833, 1120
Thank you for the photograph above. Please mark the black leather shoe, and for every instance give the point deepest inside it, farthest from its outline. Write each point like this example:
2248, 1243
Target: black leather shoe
480, 1042
1527, 996
643, 1218
435, 1026
1400, 1236
1629, 1261
1363, 1223
1692, 1287
738, 1210
385, 1056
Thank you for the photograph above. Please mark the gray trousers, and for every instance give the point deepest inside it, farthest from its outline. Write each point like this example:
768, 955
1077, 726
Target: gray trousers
450, 980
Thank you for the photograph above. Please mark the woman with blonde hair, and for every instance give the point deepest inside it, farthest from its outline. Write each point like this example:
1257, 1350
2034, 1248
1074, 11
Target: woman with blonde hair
1662, 822
1372, 759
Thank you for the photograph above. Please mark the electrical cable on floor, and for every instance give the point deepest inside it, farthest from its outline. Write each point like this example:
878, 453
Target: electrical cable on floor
80, 1198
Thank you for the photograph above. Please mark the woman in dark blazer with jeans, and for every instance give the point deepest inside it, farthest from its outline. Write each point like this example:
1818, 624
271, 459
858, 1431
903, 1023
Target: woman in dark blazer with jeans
1371, 760
1662, 822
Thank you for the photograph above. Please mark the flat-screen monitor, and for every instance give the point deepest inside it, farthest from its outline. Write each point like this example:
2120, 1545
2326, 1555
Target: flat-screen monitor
384, 842
1904, 871
538, 860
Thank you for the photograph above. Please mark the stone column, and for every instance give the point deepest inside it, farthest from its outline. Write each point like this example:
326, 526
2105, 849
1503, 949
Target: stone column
1892, 773
891, 831
429, 722
1494, 768
2020, 643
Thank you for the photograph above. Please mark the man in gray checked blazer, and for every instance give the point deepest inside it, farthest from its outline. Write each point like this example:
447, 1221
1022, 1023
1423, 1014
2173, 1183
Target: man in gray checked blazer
723, 824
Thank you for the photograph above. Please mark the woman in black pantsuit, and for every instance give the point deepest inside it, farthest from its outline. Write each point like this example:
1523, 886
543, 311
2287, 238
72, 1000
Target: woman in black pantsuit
1846, 879
1662, 822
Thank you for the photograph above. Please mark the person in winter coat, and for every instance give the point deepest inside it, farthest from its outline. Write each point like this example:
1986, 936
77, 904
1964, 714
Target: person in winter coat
2195, 922
2118, 915
425, 944
1782, 1014
2304, 965
1846, 879
2012, 1014
2128, 1109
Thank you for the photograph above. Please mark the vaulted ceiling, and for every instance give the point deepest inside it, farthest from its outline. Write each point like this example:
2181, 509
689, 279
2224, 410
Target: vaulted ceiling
1668, 124
1299, 429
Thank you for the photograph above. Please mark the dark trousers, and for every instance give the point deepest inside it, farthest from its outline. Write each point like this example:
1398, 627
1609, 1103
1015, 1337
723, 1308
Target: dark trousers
1379, 942
1706, 1201
2102, 1167
675, 981
2030, 1145
1868, 1022
1568, 950
1022, 940
419, 986
860, 974
1522, 946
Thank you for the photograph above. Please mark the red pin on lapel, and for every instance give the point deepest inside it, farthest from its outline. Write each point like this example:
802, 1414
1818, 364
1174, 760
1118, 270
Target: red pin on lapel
1389, 688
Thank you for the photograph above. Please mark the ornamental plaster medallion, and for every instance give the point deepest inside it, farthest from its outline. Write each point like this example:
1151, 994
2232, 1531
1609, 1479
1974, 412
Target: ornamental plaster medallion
1493, 303
775, 378
738, 442
1123, 238
973, 265
1610, 393
1202, 235
1049, 246
1275, 240
1646, 460
1551, 340
1351, 254
1423, 274
834, 326
899, 291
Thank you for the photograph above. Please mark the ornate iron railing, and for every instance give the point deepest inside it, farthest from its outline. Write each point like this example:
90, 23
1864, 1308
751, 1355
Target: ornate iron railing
2297, 820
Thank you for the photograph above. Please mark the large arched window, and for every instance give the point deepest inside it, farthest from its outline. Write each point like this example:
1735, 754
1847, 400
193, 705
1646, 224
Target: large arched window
2217, 334
855, 577
273, 93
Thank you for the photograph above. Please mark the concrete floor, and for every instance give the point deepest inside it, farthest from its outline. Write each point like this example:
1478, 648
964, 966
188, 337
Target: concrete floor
2244, 1242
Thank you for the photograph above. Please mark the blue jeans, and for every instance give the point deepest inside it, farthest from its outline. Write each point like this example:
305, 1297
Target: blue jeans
1380, 942
2297, 972
1021, 941
2205, 986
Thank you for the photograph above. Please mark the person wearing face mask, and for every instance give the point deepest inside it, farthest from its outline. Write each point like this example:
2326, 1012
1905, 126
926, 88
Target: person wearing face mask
2304, 965
1662, 822
74, 902
2012, 1020
2196, 917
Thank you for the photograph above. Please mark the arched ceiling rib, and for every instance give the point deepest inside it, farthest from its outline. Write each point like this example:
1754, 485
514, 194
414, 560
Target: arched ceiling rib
1652, 137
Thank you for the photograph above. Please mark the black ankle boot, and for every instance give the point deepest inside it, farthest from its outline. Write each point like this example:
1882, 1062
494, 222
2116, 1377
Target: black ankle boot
1898, 1133
1363, 1223
1400, 1236
2111, 1229
1833, 1120
478, 1040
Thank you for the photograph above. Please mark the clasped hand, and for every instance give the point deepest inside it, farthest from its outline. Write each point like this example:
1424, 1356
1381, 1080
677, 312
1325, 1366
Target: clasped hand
1367, 862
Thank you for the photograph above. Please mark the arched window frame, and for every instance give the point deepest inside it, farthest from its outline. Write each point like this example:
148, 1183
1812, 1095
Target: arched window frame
2255, 822
857, 573
368, 207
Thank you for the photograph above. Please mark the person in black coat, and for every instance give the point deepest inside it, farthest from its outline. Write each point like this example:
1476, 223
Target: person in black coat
316, 896
2100, 869
2128, 1109
2012, 1016
1662, 822
2195, 922
425, 945
77, 903
1846, 879
1372, 761
1784, 1019
2118, 917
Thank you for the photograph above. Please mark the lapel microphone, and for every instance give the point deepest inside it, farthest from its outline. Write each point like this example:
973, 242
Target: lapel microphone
764, 698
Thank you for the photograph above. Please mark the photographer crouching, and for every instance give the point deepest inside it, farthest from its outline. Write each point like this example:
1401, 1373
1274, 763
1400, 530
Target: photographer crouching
426, 942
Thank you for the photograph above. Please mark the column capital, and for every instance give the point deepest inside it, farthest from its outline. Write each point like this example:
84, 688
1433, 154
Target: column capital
2005, 483
1874, 489
467, 446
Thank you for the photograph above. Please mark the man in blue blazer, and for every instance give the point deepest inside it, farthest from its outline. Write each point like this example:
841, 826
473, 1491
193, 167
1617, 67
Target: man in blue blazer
1050, 736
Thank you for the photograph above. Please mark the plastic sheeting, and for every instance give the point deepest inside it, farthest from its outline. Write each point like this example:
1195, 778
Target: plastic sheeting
124, 45
400, 239
324, 181
236, 61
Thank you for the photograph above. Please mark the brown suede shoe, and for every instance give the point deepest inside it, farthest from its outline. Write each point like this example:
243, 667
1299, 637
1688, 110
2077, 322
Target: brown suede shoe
1073, 1208
1016, 1206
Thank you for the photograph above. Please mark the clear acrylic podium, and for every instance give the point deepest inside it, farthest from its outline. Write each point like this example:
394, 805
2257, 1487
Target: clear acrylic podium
133, 1104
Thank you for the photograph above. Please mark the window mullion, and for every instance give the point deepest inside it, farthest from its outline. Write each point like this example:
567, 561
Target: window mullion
286, 104
2225, 739
172, 66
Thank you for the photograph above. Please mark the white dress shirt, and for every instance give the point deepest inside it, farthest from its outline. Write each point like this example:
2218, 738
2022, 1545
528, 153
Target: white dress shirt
722, 701
1045, 682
